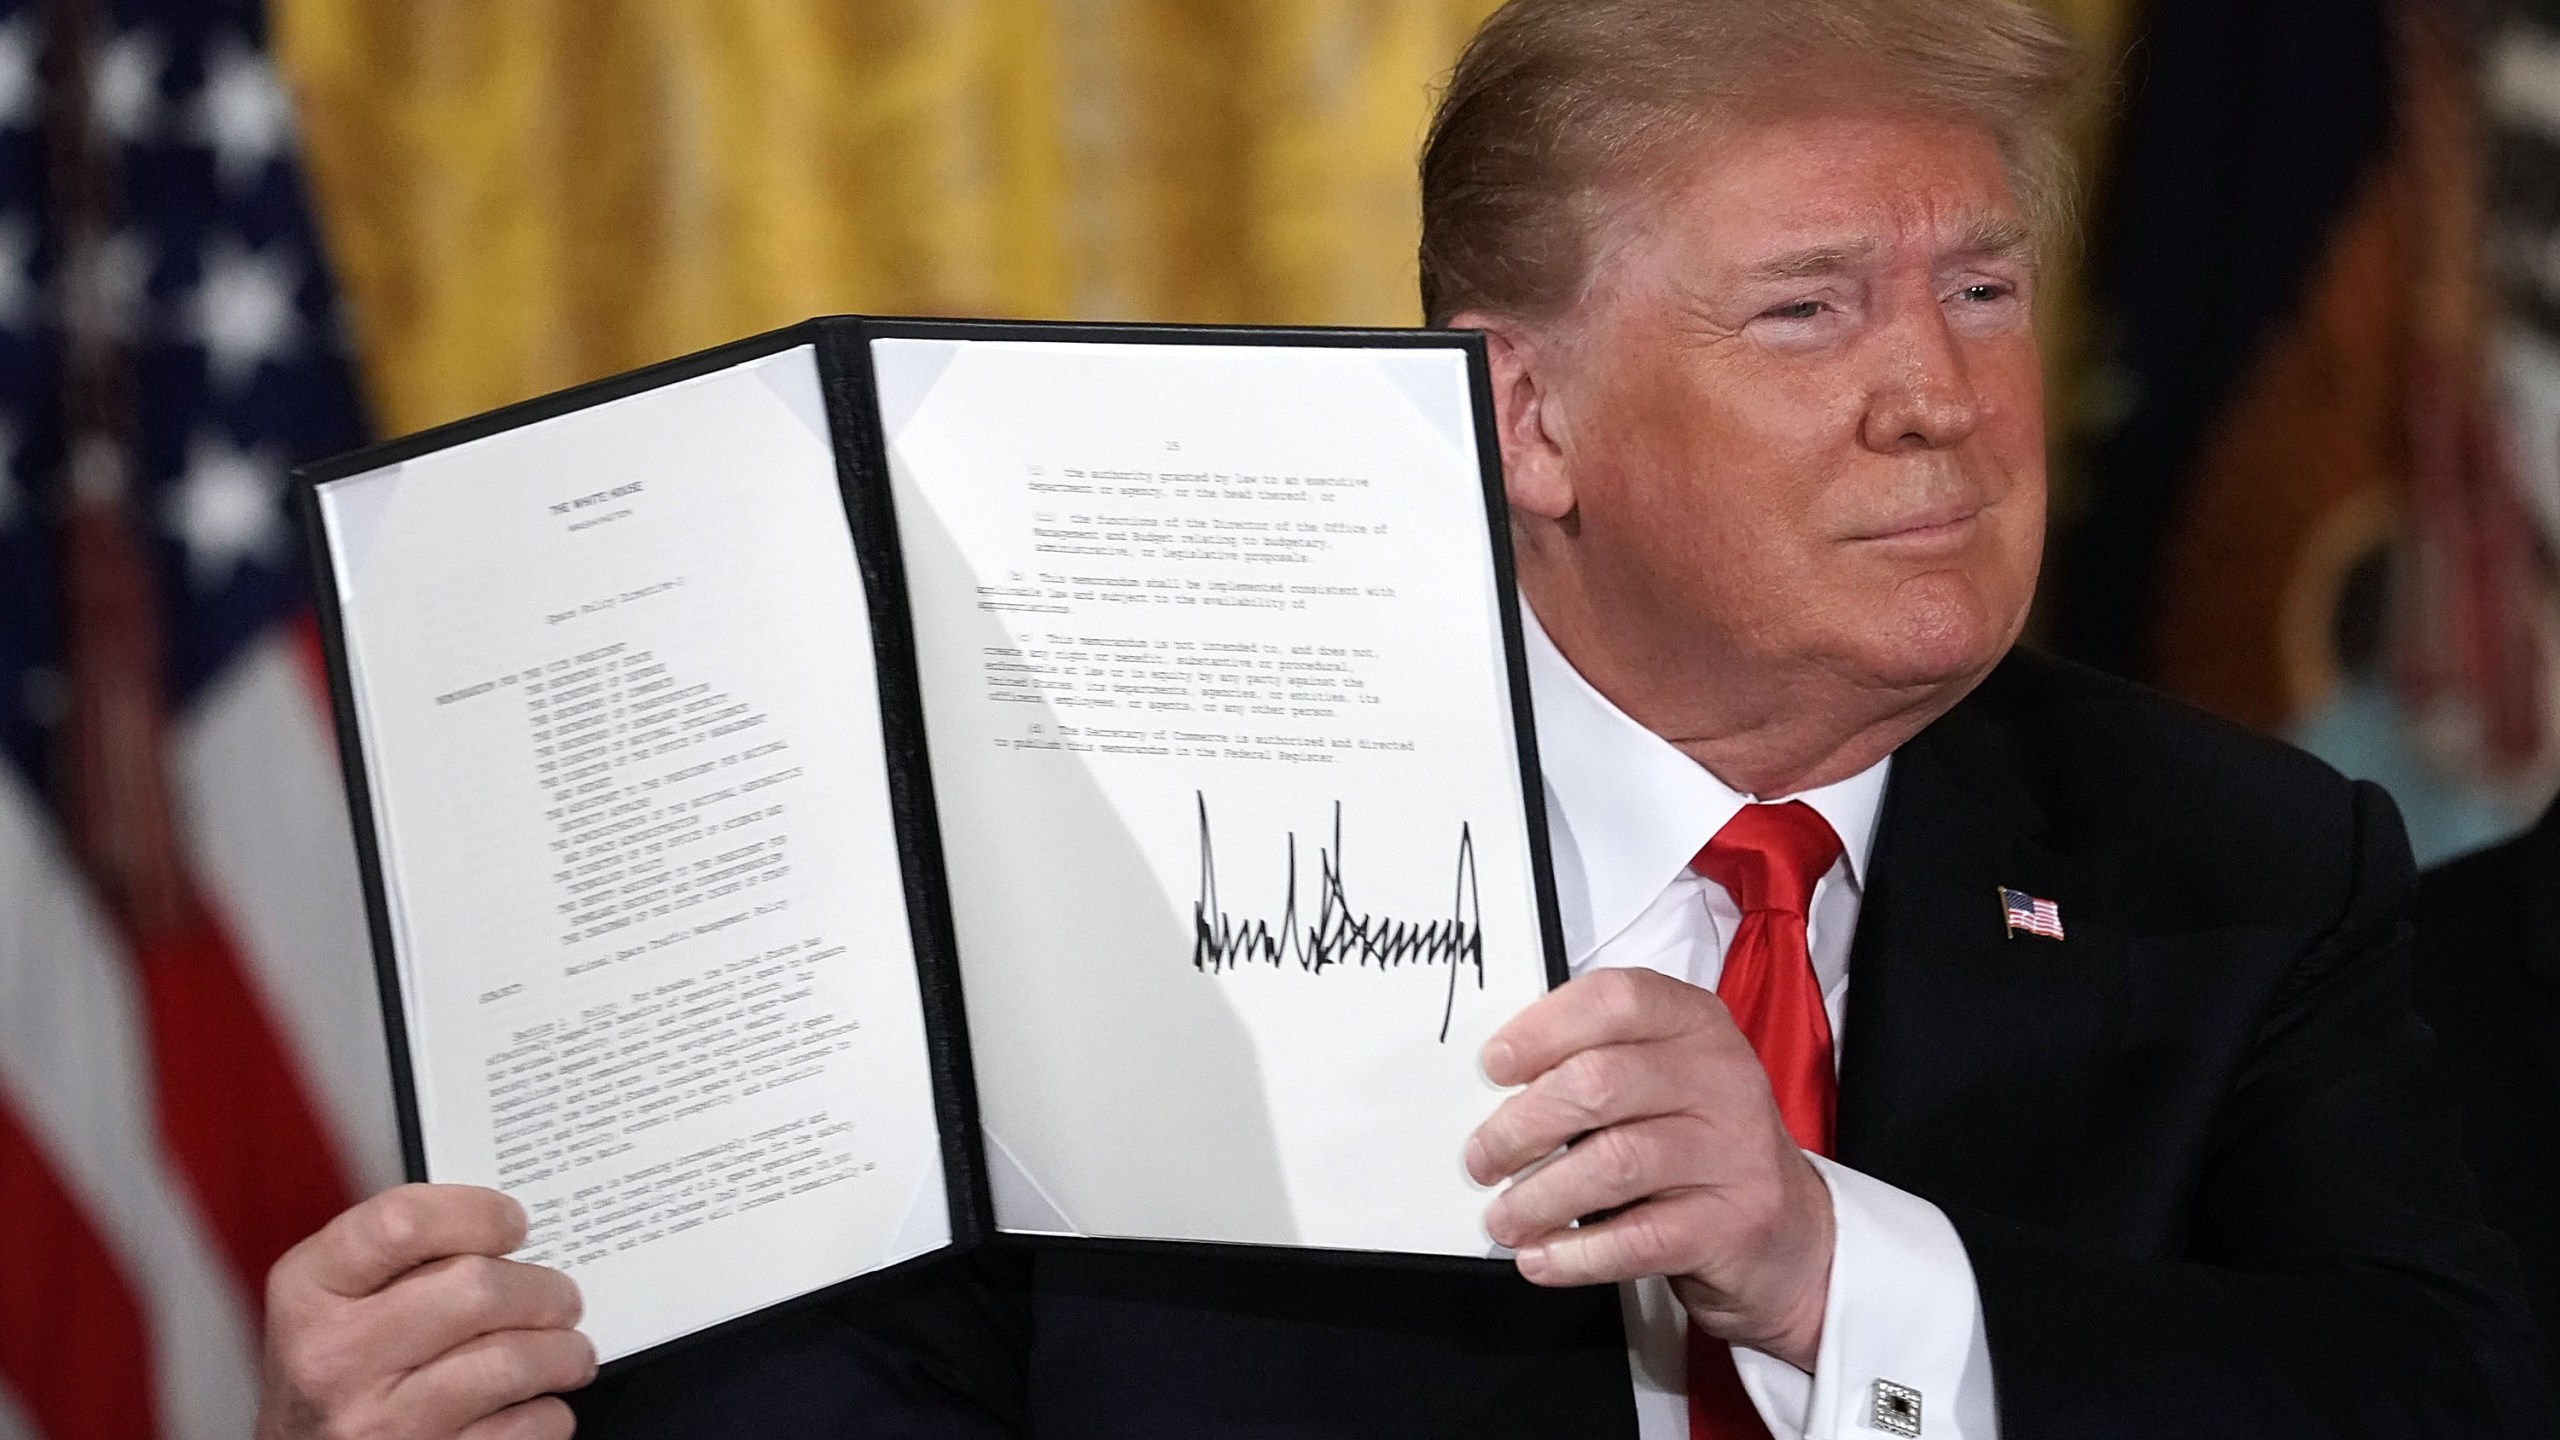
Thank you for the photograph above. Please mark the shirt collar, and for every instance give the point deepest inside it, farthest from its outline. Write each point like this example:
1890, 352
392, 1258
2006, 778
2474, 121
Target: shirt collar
1633, 810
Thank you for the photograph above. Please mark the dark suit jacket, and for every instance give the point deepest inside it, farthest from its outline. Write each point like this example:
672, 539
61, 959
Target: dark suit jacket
2206, 1180
2488, 981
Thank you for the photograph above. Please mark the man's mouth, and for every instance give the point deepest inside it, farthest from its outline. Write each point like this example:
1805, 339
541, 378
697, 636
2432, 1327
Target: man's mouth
1923, 529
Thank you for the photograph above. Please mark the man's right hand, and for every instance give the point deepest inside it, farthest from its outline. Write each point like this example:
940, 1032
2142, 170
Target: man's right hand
402, 1320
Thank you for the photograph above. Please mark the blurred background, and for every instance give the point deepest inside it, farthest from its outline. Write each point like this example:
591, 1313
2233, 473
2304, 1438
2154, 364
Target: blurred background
2304, 382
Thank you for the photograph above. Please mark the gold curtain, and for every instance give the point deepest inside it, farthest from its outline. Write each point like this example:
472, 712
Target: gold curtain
521, 194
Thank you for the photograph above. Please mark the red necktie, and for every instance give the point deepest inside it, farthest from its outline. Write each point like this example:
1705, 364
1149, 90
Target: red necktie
1768, 857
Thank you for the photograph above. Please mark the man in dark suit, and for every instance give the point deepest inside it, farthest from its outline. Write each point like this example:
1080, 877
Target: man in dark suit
2192, 1150
2488, 982
2128, 1131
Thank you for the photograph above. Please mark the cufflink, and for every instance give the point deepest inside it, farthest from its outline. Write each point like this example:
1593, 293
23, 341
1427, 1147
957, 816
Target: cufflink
1894, 1409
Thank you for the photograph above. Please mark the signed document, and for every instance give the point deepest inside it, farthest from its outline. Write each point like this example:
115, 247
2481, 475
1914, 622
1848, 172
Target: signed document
893, 786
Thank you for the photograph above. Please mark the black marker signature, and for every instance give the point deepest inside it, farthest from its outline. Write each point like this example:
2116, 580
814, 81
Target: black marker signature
1337, 935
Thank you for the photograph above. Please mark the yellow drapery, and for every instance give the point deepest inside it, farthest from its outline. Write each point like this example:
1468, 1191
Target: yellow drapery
521, 194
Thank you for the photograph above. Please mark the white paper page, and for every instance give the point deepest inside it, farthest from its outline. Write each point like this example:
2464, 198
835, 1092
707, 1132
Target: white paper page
613, 672
1225, 760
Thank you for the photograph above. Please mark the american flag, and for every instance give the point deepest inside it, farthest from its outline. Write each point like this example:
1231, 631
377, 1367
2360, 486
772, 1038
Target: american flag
191, 1076
2022, 911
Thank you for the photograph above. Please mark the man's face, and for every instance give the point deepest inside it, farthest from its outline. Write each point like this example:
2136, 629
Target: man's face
1798, 419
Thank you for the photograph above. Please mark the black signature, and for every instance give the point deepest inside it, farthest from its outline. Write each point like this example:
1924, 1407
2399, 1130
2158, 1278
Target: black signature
1337, 935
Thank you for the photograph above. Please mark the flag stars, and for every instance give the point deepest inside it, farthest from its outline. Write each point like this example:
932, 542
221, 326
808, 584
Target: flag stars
21, 88
243, 114
243, 314
225, 509
124, 85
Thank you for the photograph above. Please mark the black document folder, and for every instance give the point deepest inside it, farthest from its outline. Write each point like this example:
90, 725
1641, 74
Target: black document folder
890, 785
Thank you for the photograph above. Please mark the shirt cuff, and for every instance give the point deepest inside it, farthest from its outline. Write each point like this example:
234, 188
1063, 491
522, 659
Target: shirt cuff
1903, 1352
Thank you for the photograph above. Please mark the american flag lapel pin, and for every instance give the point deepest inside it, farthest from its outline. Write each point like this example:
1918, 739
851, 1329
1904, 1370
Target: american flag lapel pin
2022, 911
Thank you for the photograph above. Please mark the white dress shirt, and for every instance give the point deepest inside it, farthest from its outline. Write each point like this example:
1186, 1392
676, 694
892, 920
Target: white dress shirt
1627, 811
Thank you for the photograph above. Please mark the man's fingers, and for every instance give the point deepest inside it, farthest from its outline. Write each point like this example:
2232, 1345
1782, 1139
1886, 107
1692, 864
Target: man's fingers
1757, 1254
1586, 1091
372, 1244
445, 1303
480, 1378
1646, 1239
548, 1418
1613, 1167
1605, 1007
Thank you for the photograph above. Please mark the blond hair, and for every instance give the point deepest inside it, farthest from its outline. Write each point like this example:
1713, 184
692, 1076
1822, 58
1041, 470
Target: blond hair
1560, 108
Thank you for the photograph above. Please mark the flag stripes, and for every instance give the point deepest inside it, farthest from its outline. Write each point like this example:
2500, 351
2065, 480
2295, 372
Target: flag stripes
255, 757
232, 1112
67, 1319
74, 1065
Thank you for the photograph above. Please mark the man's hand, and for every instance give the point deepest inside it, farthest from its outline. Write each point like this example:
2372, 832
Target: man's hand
1676, 1139
400, 1319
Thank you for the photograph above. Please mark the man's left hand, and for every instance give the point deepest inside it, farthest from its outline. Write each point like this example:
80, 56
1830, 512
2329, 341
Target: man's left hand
1675, 1139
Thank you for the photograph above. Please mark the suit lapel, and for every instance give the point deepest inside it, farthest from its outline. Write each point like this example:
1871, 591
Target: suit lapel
1971, 1059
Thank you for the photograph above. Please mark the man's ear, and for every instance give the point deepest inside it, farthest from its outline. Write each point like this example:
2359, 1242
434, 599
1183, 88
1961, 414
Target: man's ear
1525, 415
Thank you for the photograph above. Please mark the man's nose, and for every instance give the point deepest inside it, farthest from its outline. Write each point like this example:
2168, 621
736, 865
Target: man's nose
1924, 398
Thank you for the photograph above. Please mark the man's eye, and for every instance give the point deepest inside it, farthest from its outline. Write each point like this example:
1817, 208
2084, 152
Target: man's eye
1983, 294
1801, 310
